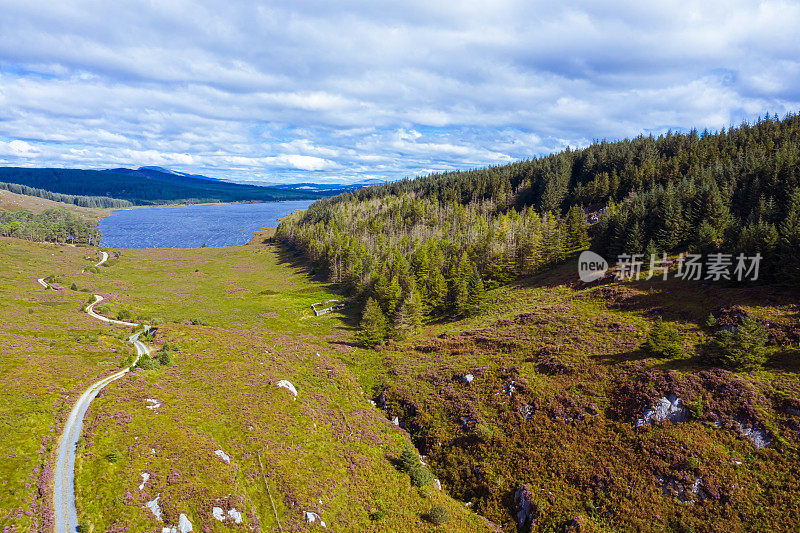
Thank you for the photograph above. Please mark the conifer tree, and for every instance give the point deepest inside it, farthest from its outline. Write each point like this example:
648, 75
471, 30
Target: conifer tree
372, 328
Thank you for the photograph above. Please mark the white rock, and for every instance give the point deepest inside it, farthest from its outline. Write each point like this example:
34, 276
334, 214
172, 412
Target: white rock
145, 477
223, 456
235, 515
169, 530
184, 526
396, 421
217, 513
288, 386
667, 408
313, 517
437, 483
154, 507
154, 404
468, 379
759, 437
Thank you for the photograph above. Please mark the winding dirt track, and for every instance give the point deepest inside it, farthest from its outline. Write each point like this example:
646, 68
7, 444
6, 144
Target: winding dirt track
66, 516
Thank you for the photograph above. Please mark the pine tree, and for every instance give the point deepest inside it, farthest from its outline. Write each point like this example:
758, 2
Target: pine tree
789, 241
372, 328
577, 237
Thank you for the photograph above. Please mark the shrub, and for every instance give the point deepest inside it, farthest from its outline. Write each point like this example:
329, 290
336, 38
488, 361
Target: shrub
438, 515
73, 287
198, 322
124, 315
112, 456
693, 464
743, 348
164, 357
377, 515
663, 340
420, 476
408, 460
146, 363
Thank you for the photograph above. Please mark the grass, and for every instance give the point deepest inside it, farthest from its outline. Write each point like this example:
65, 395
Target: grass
327, 452
580, 380
51, 352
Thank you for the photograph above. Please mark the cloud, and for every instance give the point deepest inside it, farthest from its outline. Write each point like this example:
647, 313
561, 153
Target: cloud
299, 90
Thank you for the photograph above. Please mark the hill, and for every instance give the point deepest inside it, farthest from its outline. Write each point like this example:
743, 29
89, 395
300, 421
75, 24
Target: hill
145, 186
550, 404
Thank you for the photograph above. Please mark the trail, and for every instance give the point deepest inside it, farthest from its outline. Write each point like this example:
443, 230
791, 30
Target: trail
66, 515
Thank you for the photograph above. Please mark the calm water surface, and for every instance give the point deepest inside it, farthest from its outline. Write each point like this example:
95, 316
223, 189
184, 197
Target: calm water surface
192, 226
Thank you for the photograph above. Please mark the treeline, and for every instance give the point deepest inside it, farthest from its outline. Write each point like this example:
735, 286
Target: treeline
82, 201
53, 225
737, 190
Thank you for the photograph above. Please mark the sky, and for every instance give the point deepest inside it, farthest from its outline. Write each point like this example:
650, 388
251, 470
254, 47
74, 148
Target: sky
290, 91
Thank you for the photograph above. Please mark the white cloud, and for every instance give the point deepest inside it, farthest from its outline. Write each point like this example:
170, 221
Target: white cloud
297, 90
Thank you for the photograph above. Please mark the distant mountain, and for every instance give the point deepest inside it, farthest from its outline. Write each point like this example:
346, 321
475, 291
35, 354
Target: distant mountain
157, 172
150, 186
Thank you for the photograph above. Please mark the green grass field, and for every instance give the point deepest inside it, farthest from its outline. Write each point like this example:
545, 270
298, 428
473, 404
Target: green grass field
237, 321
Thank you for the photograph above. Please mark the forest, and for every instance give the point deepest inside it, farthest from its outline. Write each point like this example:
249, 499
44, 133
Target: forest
82, 201
53, 225
425, 248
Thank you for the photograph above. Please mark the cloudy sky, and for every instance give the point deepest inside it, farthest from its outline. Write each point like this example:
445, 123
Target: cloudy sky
297, 90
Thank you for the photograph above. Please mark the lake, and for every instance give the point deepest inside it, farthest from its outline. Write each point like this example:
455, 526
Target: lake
192, 226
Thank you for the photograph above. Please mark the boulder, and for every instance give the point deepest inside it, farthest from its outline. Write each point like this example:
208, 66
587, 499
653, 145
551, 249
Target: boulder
667, 408
312, 517
235, 515
224, 457
184, 526
468, 379
154, 507
524, 508
758, 437
217, 513
288, 386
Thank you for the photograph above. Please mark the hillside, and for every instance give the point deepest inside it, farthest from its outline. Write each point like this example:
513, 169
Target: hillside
550, 404
144, 186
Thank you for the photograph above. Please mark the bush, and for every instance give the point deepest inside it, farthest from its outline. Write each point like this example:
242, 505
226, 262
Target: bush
164, 357
124, 315
743, 348
146, 363
438, 515
420, 476
377, 515
408, 460
112, 456
198, 322
73, 287
663, 340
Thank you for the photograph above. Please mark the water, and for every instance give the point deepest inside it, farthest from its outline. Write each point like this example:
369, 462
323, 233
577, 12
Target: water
192, 226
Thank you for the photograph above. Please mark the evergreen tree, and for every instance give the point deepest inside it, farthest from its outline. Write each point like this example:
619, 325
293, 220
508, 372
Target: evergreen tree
476, 293
372, 328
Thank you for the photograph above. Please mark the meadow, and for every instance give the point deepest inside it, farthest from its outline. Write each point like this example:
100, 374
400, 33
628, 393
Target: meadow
236, 321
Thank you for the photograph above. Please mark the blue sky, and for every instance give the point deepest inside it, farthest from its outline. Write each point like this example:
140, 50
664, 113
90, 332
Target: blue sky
296, 90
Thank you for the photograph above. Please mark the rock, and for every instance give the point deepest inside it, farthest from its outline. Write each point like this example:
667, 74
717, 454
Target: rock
395, 421
224, 457
524, 508
235, 515
437, 483
312, 517
509, 388
758, 437
467, 379
526, 411
688, 495
154, 507
145, 477
667, 408
184, 526
154, 404
217, 513
288, 386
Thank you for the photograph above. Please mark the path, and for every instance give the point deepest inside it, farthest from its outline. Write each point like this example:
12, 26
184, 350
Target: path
66, 516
